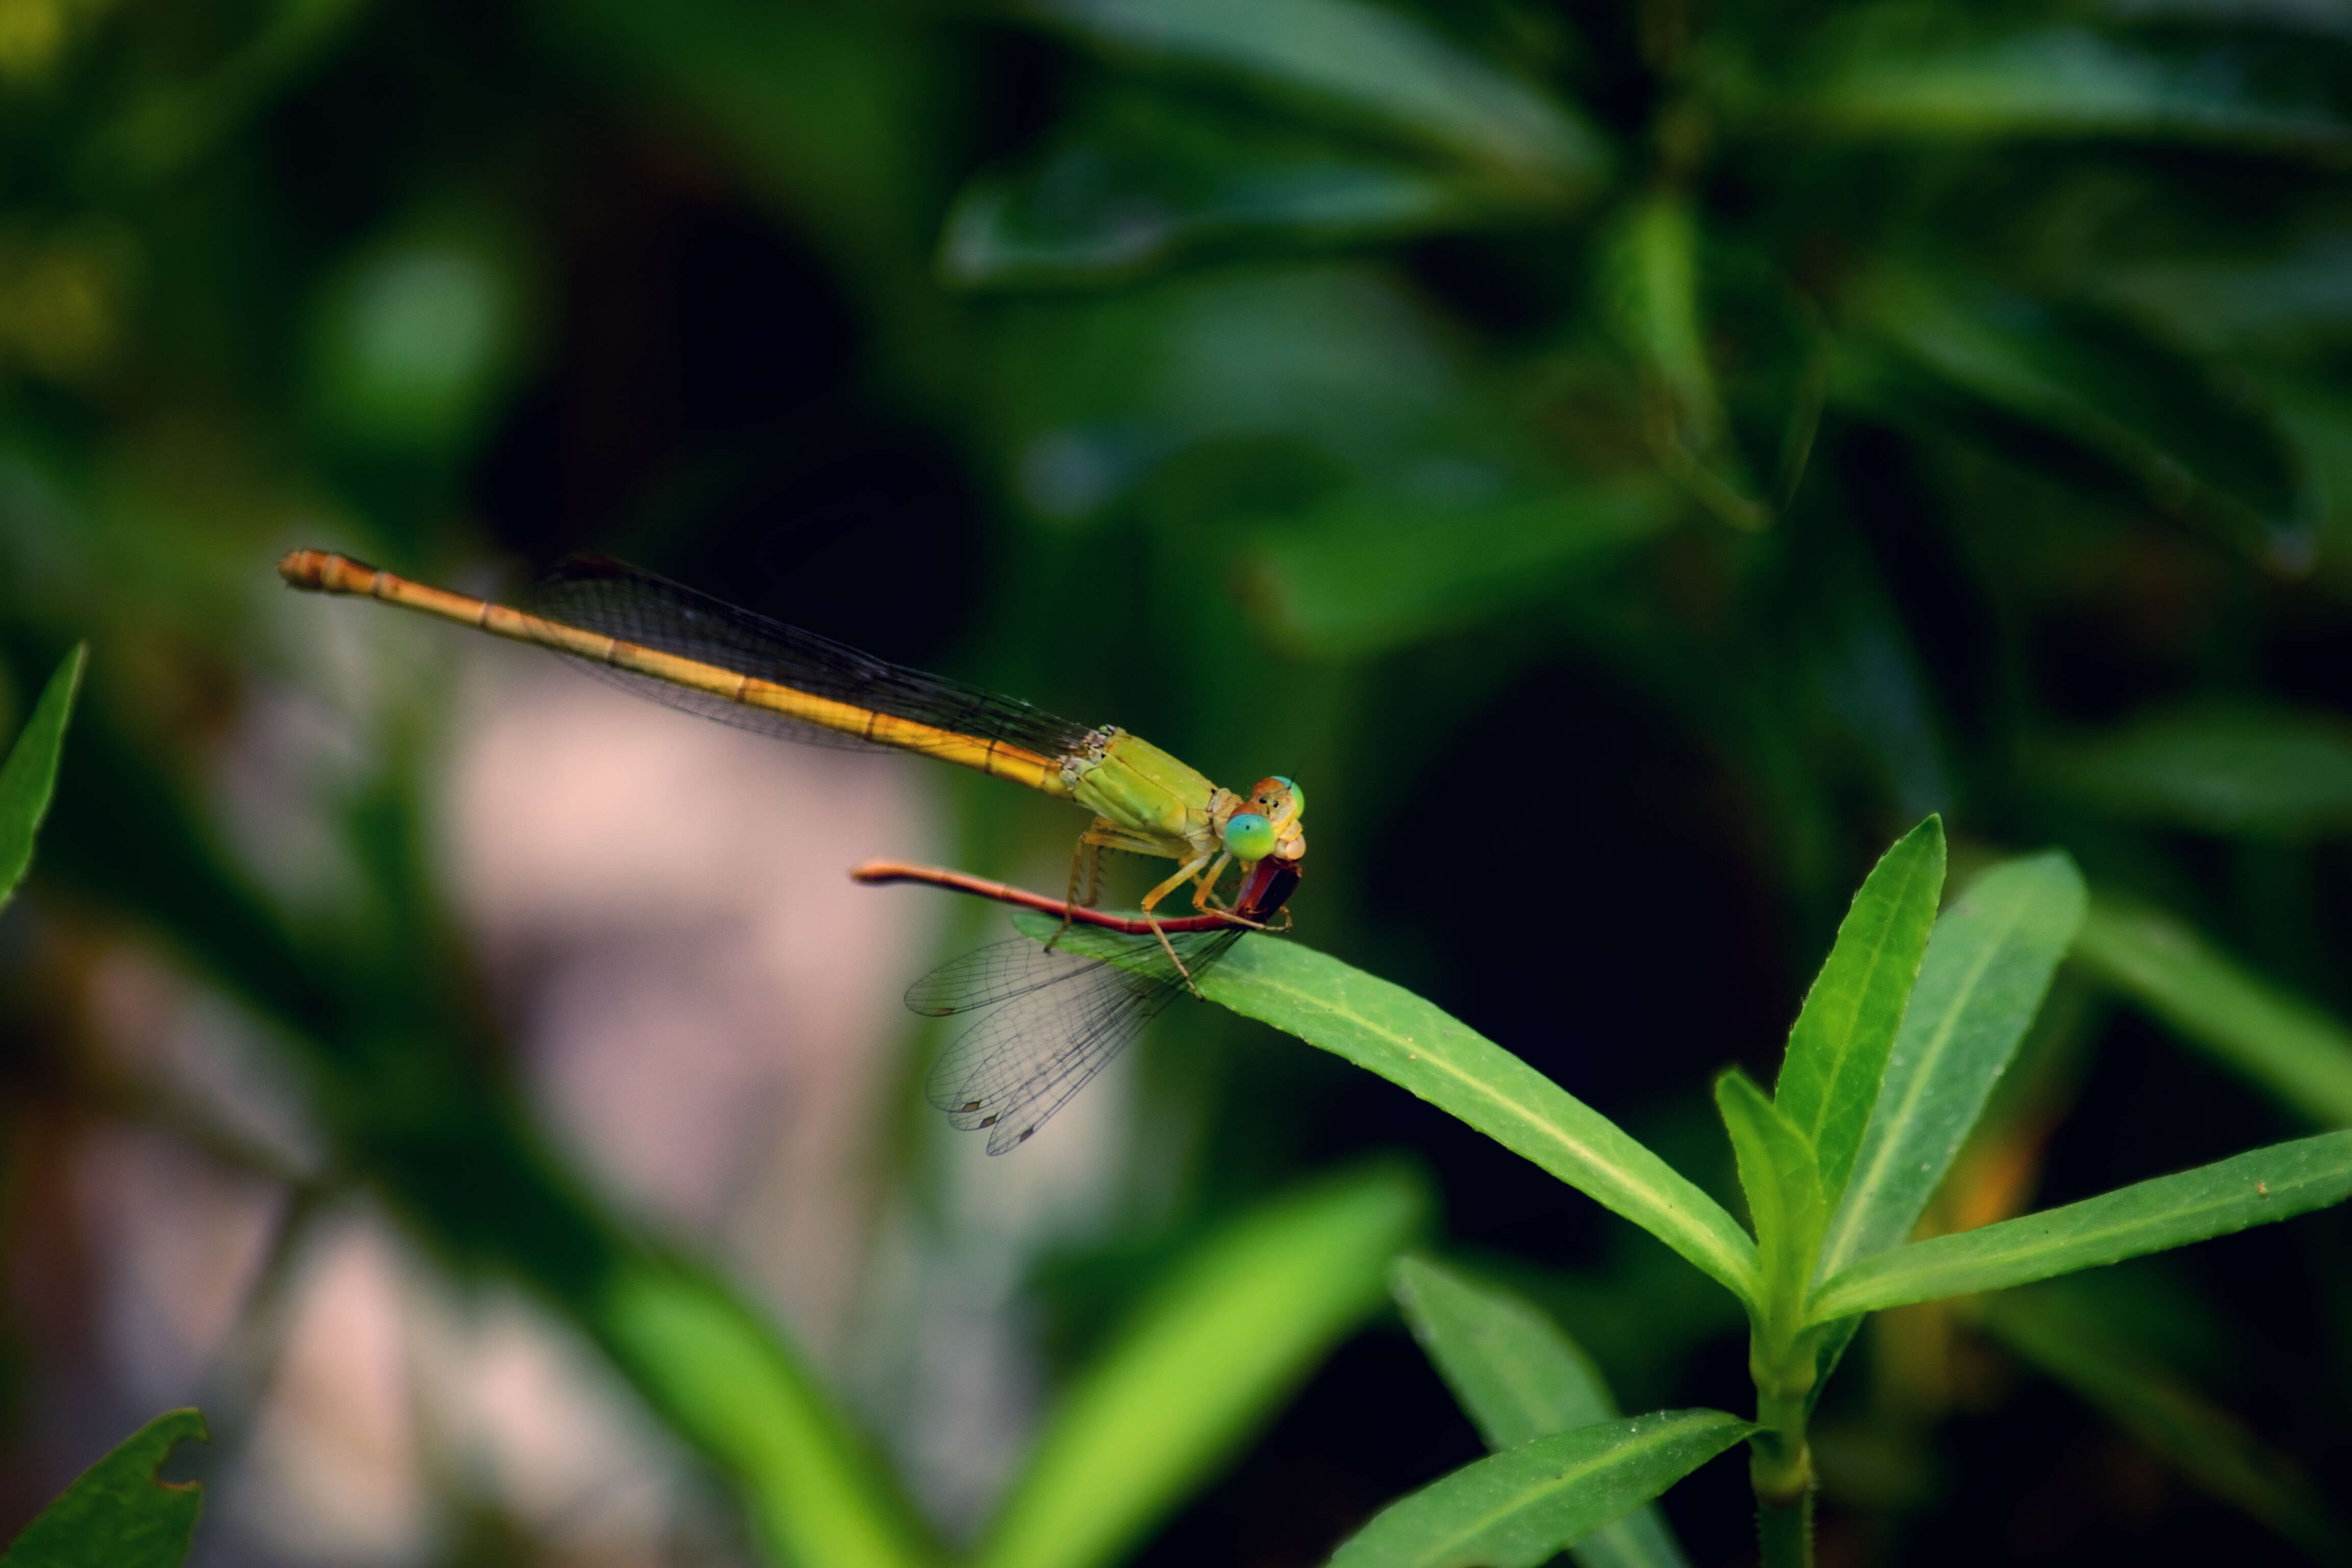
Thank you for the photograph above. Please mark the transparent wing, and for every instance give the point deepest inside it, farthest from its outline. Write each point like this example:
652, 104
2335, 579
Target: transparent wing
618, 601
1058, 1018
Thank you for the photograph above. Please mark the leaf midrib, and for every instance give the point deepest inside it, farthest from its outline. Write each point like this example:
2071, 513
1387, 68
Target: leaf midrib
1866, 1180
1633, 1448
1737, 1269
1882, 1266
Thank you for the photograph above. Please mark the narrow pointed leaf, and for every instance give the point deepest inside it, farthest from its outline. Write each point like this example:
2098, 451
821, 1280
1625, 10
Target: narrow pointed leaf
1141, 182
2265, 773
2290, 1048
117, 1514
1368, 571
1389, 1030
1985, 971
1517, 1509
1651, 269
2064, 1338
717, 1372
29, 777
1838, 1050
1970, 359
1356, 63
1520, 1377
1784, 1189
1200, 1365
2273, 1184
2053, 82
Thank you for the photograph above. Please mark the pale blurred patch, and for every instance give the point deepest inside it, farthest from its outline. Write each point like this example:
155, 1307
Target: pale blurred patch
708, 1006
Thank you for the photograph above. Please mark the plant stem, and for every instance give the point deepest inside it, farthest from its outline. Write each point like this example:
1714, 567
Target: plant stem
1786, 1534
1780, 1462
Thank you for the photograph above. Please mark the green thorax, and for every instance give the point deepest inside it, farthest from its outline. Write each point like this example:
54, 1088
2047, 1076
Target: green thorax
1143, 789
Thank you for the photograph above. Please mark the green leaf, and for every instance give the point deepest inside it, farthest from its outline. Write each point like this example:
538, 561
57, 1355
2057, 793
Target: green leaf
2256, 1189
2295, 1050
1361, 64
1783, 1187
1962, 357
1200, 1365
2222, 769
1387, 1029
1837, 1051
1517, 1509
1987, 968
117, 1514
728, 1382
1139, 182
2059, 82
29, 777
2065, 1337
1365, 573
1651, 269
1520, 1377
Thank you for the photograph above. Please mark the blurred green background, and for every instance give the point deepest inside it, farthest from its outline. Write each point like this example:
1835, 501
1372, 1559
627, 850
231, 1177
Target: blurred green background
1628, 460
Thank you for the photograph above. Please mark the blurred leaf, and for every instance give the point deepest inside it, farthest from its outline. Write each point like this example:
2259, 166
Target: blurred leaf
1365, 573
1141, 182
1339, 366
117, 1514
169, 129
29, 777
1520, 1377
1519, 1508
1987, 968
2223, 769
2325, 17
2064, 1336
1784, 1191
1389, 1030
2256, 1189
1837, 1051
2293, 1049
1933, 353
727, 1380
1652, 264
413, 344
1359, 63
2295, 301
1199, 1365
1513, 1369
1895, 77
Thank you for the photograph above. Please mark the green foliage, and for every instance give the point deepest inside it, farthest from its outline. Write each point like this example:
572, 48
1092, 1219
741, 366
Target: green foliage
2069, 1337
30, 776
117, 1514
1389, 1030
1200, 1365
2257, 1188
724, 1377
1520, 1377
1363, 64
1837, 1052
2293, 1049
1985, 971
1519, 1508
1780, 1172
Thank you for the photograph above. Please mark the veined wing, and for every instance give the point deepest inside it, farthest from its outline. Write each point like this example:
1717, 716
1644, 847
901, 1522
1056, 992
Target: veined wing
1054, 1019
619, 601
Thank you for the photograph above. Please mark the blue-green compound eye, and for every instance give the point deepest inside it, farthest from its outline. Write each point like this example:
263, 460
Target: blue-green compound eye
1298, 796
1249, 835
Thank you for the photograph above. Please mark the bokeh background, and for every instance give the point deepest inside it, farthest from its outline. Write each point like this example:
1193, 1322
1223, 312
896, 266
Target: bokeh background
1629, 460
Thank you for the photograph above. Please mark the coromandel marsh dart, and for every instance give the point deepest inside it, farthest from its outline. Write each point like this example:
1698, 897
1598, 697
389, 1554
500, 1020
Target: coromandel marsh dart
1059, 1013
